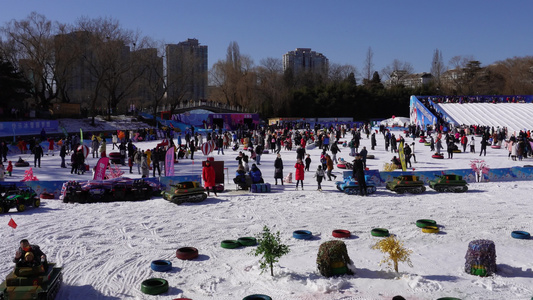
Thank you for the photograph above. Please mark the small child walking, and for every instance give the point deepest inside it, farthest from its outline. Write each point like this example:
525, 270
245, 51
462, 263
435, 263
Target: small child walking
9, 168
307, 162
319, 177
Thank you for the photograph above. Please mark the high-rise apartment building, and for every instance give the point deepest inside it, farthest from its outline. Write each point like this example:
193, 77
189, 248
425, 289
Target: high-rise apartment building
305, 60
186, 70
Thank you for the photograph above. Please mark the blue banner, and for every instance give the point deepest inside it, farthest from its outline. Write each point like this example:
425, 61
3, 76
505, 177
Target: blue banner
28, 127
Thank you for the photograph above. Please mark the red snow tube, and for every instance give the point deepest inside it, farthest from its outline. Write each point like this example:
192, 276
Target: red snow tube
341, 233
422, 140
46, 196
187, 253
438, 156
495, 146
341, 166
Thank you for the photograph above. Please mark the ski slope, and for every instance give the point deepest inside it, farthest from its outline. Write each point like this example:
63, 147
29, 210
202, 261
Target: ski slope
514, 116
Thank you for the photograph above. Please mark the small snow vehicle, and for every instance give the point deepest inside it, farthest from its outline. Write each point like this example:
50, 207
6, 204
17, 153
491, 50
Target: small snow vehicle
32, 283
188, 191
117, 189
350, 185
449, 183
406, 184
19, 198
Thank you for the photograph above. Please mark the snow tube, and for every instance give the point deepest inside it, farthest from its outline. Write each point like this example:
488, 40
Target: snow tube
522, 235
427, 144
22, 164
496, 147
430, 229
425, 222
47, 196
154, 286
381, 232
341, 166
257, 297
422, 140
370, 156
456, 151
448, 298
187, 253
247, 241
438, 156
182, 299
230, 244
302, 234
161, 265
341, 233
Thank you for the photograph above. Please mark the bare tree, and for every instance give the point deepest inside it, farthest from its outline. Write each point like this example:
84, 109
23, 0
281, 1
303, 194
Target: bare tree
396, 70
338, 73
272, 93
437, 67
29, 46
368, 67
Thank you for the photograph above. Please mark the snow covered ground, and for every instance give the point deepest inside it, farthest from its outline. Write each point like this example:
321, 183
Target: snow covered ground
106, 248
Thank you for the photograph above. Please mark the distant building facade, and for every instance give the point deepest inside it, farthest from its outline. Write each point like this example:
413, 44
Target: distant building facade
304, 60
186, 70
401, 77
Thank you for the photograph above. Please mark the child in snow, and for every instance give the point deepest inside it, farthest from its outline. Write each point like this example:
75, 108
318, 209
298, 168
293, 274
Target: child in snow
307, 162
319, 176
9, 168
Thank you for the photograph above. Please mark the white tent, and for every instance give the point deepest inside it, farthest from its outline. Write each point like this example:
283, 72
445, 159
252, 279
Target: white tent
396, 122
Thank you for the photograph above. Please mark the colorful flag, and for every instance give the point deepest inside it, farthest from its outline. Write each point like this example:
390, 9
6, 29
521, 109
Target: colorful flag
101, 167
169, 162
402, 156
81, 136
12, 223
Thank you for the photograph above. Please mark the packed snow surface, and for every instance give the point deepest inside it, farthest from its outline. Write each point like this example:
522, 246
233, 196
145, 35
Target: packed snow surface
106, 249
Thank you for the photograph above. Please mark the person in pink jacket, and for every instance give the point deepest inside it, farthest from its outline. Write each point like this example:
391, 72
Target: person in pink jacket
208, 175
299, 175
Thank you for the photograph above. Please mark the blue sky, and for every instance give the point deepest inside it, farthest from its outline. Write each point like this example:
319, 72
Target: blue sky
342, 30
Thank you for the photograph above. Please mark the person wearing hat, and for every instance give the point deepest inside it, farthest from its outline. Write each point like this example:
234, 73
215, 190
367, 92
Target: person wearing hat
359, 173
208, 175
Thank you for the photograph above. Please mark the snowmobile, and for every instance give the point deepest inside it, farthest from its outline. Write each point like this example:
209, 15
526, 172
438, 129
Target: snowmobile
350, 185
19, 198
406, 184
32, 283
449, 183
188, 191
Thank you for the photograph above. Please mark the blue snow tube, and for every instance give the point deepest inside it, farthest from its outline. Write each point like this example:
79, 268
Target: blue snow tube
522, 235
302, 234
161, 265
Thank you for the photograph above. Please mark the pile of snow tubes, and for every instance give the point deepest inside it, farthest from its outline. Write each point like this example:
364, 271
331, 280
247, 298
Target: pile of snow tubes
521, 235
341, 233
380, 232
154, 286
425, 222
230, 244
257, 297
302, 234
438, 156
430, 229
161, 265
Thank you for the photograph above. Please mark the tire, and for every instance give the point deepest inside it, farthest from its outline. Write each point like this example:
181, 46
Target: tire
341, 233
247, 241
229, 244
350, 191
36, 202
302, 234
154, 286
21, 207
425, 222
430, 229
187, 253
380, 232
161, 265
522, 235
257, 297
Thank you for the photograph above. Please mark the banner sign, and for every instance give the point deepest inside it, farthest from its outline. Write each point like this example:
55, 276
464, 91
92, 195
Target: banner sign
101, 167
169, 162
28, 127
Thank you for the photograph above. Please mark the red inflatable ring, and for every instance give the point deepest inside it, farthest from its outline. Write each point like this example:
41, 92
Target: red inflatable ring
187, 253
438, 156
341, 233
47, 196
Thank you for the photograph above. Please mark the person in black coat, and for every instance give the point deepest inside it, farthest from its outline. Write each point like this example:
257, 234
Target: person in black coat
25, 247
278, 169
359, 174
38, 153
62, 154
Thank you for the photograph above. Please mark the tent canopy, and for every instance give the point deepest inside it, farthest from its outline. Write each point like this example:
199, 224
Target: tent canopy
396, 121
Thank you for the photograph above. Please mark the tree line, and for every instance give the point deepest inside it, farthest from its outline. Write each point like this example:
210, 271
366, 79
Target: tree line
46, 59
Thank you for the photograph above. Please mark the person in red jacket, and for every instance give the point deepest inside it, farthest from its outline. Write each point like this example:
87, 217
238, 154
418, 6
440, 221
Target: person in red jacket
208, 175
299, 174
9, 168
